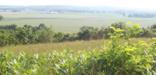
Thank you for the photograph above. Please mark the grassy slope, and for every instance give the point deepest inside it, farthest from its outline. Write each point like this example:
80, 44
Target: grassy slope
75, 46
49, 47
69, 22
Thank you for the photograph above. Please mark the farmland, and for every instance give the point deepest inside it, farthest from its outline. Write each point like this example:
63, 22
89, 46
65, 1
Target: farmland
70, 22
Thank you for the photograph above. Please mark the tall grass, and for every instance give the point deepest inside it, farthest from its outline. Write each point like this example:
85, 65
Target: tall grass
50, 47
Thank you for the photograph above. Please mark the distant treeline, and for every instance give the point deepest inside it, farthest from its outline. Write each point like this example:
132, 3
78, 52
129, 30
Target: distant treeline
27, 34
93, 33
142, 15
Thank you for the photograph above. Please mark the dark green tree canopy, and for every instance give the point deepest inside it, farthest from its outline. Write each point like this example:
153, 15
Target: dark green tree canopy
1, 17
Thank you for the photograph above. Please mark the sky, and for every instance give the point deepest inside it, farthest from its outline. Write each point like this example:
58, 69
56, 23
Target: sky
132, 4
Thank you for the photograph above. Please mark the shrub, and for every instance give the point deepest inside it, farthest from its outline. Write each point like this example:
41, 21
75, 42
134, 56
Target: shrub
1, 17
87, 33
27, 34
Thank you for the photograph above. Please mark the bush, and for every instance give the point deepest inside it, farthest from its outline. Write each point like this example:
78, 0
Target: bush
120, 25
153, 28
60, 37
27, 34
44, 35
87, 33
8, 27
1, 17
7, 37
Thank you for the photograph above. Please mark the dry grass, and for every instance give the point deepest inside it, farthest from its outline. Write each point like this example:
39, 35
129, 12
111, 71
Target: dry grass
75, 46
49, 47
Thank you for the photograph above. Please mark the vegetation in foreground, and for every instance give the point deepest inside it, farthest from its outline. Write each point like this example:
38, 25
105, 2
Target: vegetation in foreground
120, 57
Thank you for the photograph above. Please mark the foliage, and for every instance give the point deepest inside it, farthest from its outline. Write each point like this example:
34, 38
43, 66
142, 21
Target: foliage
27, 34
87, 33
1, 17
153, 27
44, 34
9, 27
60, 37
121, 57
6, 37
120, 25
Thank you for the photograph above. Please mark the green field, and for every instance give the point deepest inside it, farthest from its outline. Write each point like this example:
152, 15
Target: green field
69, 22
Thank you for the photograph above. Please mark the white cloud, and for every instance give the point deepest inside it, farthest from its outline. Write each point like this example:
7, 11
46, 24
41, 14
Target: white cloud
135, 4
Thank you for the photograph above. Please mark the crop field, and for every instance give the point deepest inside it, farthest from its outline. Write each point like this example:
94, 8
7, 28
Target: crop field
70, 22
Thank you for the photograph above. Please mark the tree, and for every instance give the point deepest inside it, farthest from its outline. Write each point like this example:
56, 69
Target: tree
38, 34
25, 34
6, 37
146, 33
88, 33
9, 27
58, 37
1, 17
104, 32
120, 25
44, 35
153, 27
70, 37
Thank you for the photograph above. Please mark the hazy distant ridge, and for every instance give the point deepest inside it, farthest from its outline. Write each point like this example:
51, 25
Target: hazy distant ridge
78, 9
